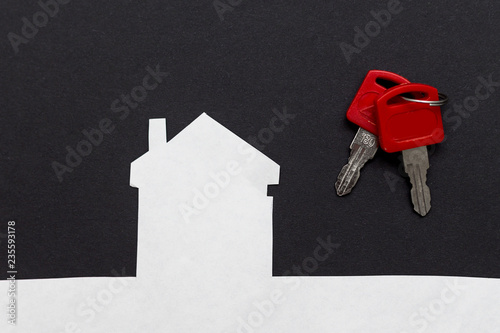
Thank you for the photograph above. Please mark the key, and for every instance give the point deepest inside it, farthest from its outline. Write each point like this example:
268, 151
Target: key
362, 113
416, 163
409, 126
363, 148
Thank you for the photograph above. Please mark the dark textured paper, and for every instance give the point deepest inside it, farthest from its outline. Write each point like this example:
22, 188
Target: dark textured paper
262, 56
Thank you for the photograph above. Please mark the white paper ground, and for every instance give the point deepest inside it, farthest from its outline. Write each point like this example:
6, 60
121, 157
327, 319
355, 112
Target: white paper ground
205, 262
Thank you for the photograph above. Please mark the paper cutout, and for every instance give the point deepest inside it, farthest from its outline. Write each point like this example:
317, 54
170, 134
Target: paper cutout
205, 261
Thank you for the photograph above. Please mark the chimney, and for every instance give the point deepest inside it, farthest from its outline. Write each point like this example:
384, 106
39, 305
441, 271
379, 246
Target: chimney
157, 133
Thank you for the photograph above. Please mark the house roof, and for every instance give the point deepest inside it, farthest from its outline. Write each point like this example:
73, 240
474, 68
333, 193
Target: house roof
204, 142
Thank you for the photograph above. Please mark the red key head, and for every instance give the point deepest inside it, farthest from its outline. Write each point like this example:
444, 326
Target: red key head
404, 125
362, 109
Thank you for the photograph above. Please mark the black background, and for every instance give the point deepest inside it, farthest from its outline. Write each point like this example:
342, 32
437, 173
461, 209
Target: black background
263, 55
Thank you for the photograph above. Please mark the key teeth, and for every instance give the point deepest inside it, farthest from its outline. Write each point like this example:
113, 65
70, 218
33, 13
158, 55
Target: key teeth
424, 213
416, 163
363, 148
346, 180
342, 193
422, 210
421, 201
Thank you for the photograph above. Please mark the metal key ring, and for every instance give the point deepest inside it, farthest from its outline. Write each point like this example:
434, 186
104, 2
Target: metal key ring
443, 99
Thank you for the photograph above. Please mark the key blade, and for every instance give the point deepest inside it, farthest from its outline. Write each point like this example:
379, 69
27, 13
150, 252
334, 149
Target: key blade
416, 162
363, 148
348, 177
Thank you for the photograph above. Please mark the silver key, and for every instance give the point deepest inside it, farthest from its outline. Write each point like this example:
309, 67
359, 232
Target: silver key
363, 148
416, 162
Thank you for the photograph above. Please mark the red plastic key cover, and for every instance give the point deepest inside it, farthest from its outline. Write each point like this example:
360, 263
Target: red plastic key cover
404, 125
362, 109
